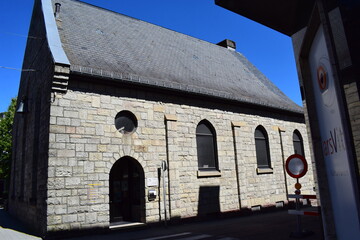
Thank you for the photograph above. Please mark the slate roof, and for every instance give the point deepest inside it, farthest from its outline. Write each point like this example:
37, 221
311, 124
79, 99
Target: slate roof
108, 44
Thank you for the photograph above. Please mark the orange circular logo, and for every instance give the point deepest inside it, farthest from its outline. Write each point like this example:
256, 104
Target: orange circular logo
322, 78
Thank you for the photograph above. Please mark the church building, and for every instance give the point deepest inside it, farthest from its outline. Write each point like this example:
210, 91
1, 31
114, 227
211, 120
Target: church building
125, 123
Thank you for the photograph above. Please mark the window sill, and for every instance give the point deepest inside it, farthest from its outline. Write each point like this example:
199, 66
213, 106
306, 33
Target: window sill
264, 170
211, 173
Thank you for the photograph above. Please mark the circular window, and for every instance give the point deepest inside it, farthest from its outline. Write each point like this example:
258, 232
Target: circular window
125, 122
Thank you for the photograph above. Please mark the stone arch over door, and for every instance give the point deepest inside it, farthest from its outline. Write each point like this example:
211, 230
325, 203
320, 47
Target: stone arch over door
127, 191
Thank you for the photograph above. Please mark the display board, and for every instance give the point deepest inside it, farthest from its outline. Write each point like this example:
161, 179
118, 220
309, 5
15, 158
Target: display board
335, 153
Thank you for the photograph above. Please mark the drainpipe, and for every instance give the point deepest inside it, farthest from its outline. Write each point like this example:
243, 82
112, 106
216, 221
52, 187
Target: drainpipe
283, 160
234, 126
164, 168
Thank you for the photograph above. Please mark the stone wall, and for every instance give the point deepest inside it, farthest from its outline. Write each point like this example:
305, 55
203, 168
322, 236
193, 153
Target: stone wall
84, 145
353, 103
31, 131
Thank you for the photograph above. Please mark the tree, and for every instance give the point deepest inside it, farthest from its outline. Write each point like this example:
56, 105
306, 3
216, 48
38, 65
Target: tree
6, 125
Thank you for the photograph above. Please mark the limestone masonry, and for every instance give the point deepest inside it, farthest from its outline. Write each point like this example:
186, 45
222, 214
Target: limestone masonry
116, 121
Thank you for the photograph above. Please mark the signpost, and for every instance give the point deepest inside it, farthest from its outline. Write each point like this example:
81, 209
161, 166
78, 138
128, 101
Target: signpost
296, 166
336, 149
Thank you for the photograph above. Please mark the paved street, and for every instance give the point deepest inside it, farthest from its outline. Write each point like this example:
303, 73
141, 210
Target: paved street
9, 234
11, 229
272, 226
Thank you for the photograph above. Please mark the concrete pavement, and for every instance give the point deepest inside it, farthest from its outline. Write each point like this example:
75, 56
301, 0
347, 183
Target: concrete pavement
259, 226
9, 234
12, 229
276, 225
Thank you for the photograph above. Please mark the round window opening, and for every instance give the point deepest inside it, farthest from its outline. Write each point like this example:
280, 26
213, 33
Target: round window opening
125, 122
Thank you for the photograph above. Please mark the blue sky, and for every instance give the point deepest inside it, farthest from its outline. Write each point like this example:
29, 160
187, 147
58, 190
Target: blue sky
271, 52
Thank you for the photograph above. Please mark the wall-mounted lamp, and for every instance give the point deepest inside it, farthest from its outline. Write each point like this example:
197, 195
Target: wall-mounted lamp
22, 106
57, 10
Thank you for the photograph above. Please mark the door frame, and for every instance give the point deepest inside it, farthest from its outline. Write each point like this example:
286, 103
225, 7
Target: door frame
129, 204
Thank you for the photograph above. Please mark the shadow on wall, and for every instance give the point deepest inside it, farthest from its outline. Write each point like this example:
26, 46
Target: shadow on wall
209, 201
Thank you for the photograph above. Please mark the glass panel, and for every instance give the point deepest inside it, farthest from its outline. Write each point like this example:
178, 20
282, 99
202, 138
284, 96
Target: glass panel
296, 137
259, 134
298, 145
206, 151
125, 122
262, 153
203, 129
298, 148
206, 146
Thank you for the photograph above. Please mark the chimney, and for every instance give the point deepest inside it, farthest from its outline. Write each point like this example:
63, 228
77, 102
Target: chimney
57, 10
229, 44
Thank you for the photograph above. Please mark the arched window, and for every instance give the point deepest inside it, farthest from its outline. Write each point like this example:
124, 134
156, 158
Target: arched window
298, 143
262, 148
206, 146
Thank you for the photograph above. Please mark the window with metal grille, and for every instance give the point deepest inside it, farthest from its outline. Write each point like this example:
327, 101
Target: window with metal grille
262, 148
298, 143
206, 146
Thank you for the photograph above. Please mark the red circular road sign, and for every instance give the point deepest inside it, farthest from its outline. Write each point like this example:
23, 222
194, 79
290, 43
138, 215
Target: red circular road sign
296, 166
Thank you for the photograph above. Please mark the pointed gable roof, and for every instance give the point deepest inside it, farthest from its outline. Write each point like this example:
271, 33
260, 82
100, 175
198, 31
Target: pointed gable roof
111, 45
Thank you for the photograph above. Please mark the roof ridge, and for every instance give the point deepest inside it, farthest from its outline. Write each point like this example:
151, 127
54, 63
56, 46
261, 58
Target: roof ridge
153, 24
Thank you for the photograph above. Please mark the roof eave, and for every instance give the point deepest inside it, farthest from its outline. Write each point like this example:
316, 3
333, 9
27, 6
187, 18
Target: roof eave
52, 34
285, 16
136, 80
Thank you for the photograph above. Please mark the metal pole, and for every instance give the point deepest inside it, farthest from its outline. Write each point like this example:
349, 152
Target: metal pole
164, 167
299, 227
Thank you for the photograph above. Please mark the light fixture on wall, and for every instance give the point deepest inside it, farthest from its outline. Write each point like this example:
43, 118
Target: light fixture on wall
22, 106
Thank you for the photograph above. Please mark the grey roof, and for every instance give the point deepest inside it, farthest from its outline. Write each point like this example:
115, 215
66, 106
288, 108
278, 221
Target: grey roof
104, 43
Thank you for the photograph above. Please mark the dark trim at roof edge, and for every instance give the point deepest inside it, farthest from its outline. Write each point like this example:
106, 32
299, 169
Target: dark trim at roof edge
285, 16
137, 80
52, 34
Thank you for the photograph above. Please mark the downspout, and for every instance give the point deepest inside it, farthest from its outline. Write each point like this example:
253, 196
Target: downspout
234, 126
283, 161
168, 118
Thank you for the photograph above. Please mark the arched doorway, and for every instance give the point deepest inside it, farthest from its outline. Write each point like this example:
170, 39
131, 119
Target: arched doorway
127, 191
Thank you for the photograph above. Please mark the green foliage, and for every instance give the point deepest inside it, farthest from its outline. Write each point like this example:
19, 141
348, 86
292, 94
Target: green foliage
6, 125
